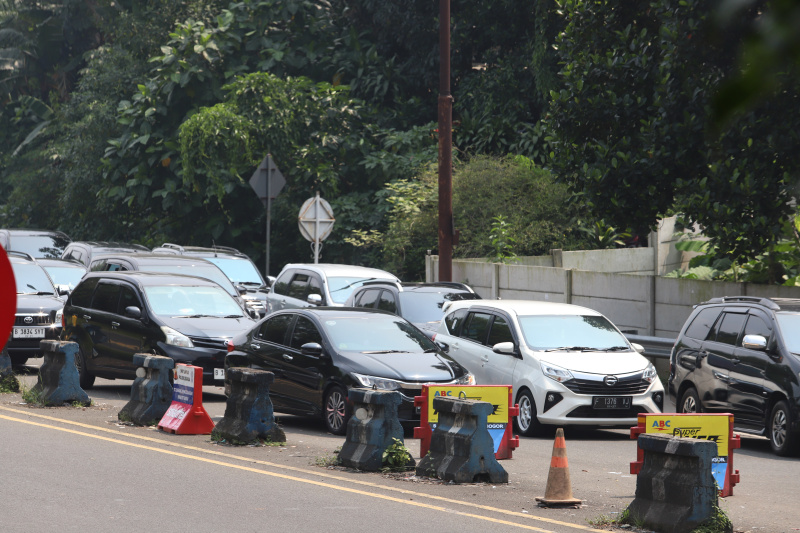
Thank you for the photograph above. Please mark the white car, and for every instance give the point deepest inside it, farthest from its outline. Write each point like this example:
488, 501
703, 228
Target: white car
568, 365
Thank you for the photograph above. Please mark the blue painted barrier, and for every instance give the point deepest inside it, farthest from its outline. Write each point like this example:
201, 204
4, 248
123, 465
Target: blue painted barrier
675, 489
151, 392
58, 376
461, 448
7, 377
372, 429
248, 413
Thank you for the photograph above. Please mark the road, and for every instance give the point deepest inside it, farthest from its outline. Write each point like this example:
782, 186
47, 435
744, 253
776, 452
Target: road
78, 469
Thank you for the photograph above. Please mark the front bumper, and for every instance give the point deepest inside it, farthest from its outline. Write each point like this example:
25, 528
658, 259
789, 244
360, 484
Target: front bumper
205, 355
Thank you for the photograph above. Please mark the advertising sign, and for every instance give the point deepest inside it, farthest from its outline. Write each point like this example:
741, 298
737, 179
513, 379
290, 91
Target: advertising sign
186, 414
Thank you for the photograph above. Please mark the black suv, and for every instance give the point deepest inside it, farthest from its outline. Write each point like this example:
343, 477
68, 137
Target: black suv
741, 355
39, 308
114, 315
238, 267
84, 251
422, 304
36, 243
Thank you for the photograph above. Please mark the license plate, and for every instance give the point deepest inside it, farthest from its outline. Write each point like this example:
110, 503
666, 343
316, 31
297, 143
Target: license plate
611, 402
28, 333
219, 373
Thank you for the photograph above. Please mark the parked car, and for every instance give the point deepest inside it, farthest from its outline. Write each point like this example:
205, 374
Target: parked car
739, 355
422, 304
36, 243
237, 266
190, 266
318, 353
65, 273
84, 251
568, 365
39, 308
303, 285
114, 315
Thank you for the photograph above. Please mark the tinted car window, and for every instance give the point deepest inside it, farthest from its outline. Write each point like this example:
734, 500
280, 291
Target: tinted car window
477, 327
281, 285
368, 298
454, 320
702, 323
387, 302
274, 329
82, 295
729, 329
106, 297
127, 298
304, 332
500, 332
756, 326
298, 288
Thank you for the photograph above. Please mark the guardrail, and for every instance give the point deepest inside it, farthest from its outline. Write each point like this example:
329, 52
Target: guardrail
656, 347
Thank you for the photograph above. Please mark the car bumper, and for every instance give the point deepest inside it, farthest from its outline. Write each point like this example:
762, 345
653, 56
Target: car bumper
205, 357
30, 347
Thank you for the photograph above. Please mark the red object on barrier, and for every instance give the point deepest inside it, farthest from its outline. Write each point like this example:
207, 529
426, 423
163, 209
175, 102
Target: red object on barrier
717, 427
186, 415
499, 425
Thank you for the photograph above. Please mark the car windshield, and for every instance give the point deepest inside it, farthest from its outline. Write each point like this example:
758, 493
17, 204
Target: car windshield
376, 334
419, 307
65, 276
188, 301
201, 271
238, 270
38, 245
341, 287
32, 279
789, 324
576, 332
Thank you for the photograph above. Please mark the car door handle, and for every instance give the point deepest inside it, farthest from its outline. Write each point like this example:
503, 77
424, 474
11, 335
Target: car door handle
287, 357
255, 346
115, 325
485, 358
87, 317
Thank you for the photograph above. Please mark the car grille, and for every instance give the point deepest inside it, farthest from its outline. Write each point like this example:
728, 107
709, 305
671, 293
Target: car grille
206, 342
37, 320
627, 385
587, 411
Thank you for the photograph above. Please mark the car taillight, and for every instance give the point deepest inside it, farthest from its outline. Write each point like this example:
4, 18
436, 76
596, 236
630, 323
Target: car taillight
63, 321
230, 346
433, 337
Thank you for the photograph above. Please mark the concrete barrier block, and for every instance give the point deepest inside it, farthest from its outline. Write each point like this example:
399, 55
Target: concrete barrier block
8, 380
461, 448
58, 381
151, 392
675, 490
248, 414
372, 429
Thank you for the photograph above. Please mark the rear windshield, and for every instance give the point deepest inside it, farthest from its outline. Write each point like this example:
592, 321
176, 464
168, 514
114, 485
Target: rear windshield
789, 324
38, 245
238, 270
419, 307
201, 271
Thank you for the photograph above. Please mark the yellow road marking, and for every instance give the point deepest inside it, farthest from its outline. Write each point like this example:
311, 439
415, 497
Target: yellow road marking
294, 469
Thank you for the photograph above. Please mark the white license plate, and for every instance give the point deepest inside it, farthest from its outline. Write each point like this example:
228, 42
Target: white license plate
219, 373
29, 333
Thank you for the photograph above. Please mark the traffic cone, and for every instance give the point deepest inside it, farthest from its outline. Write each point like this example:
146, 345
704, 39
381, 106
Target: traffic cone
559, 489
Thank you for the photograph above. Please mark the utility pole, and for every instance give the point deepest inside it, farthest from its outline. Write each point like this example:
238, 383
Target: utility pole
446, 229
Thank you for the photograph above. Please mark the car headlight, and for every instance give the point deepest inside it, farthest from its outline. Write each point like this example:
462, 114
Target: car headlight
176, 338
556, 373
466, 379
378, 383
650, 373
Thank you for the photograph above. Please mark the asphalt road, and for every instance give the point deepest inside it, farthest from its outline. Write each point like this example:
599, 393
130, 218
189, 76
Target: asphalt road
78, 469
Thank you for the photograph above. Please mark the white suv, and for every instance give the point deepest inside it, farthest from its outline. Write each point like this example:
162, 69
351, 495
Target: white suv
568, 365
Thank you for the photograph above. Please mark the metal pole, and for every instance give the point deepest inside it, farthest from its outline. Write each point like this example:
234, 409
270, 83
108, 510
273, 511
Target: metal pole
269, 206
446, 229
317, 209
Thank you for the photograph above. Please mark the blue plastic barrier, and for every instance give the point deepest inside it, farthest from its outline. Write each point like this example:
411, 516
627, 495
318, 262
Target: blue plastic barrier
461, 448
248, 413
58, 381
151, 392
372, 429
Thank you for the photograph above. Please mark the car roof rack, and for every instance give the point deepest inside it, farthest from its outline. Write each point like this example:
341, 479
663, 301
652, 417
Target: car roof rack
766, 302
449, 284
23, 255
172, 246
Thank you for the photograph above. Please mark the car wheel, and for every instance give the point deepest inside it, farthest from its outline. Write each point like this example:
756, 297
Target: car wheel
689, 402
781, 439
527, 423
336, 413
85, 378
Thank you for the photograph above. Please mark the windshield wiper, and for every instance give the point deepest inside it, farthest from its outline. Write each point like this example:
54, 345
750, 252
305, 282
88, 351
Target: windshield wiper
615, 349
232, 316
431, 350
571, 349
37, 293
196, 316
387, 351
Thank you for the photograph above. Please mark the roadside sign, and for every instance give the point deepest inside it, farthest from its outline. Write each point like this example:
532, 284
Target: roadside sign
267, 181
186, 414
316, 222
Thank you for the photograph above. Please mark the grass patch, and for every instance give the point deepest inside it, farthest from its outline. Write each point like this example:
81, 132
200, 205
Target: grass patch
718, 523
331, 459
218, 438
9, 383
32, 395
397, 458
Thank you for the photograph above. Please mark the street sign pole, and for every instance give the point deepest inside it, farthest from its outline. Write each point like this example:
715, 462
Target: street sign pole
269, 213
267, 182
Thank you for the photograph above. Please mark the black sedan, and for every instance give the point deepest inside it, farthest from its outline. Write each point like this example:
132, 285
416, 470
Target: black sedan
318, 353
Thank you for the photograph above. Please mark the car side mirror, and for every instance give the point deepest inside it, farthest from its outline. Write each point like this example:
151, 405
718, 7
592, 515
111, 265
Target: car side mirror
314, 299
638, 347
313, 349
133, 312
253, 313
443, 346
63, 291
755, 342
504, 348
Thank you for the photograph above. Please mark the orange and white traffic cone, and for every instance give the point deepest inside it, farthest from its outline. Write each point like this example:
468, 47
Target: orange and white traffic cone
559, 489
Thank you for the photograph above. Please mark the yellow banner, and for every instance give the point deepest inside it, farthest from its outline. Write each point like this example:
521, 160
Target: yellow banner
497, 396
708, 427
